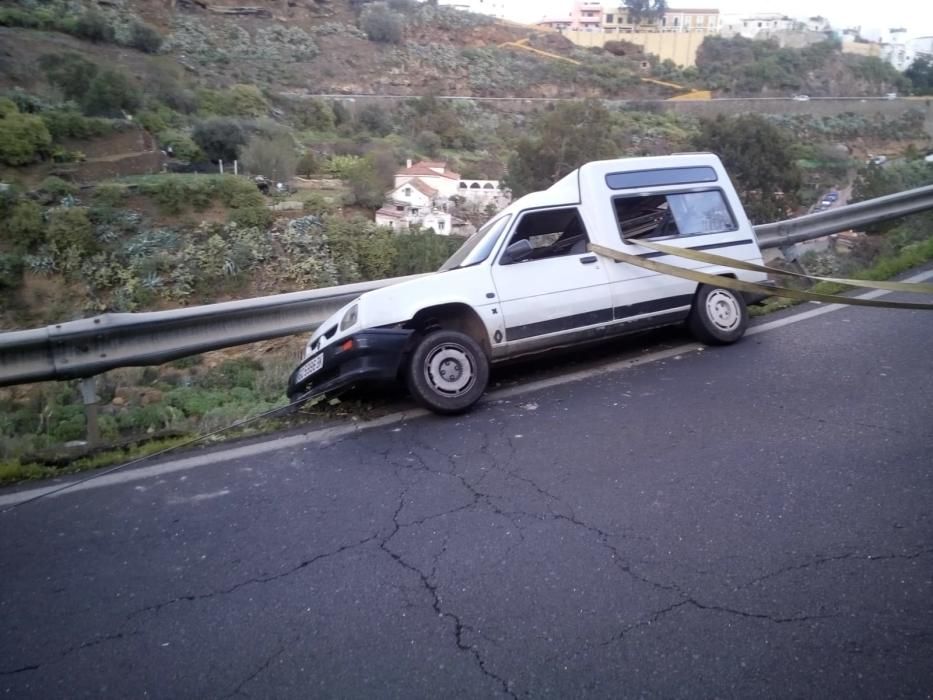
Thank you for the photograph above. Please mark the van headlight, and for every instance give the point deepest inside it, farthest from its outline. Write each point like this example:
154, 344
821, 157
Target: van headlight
349, 318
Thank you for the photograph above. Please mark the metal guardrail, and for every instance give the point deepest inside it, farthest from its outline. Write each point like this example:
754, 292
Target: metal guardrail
88, 347
851, 216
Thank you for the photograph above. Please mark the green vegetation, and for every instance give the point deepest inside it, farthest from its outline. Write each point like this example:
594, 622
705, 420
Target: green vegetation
739, 66
90, 25
759, 157
381, 24
920, 75
24, 138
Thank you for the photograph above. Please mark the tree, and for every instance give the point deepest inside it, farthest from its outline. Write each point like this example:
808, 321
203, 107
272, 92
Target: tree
144, 38
381, 24
920, 75
93, 26
24, 228
315, 115
220, 138
274, 158
24, 138
367, 186
70, 227
69, 72
375, 119
640, 11
110, 94
572, 134
760, 158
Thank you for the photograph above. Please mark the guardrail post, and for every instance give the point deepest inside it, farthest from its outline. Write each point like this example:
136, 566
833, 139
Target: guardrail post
88, 387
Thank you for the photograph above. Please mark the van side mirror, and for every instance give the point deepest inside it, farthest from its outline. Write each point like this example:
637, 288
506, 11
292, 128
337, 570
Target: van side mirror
518, 251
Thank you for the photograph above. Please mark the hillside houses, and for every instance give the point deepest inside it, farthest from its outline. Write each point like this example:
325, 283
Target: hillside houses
426, 192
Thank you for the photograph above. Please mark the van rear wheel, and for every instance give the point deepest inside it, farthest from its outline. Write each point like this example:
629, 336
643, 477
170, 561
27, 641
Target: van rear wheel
447, 372
719, 316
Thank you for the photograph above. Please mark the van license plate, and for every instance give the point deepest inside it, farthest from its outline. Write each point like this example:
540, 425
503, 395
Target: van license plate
311, 367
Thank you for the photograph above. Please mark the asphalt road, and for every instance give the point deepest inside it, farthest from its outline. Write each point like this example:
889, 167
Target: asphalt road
737, 522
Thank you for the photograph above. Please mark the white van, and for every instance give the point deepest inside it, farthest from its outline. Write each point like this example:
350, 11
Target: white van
526, 282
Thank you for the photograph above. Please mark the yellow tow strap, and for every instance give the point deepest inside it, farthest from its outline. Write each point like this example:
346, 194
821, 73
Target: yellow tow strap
741, 285
702, 256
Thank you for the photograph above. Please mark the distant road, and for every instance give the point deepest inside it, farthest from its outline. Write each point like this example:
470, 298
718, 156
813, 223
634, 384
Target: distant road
338, 96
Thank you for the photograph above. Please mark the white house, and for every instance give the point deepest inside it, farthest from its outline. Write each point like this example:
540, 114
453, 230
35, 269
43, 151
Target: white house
493, 8
434, 174
422, 193
482, 191
758, 24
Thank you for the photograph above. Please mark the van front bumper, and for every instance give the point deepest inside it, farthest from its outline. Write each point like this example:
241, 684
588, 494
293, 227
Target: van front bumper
367, 356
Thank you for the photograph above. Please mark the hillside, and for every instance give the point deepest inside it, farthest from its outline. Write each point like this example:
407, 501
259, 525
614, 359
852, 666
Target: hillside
318, 47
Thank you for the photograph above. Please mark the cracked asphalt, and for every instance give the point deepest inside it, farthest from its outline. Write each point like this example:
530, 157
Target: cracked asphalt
749, 521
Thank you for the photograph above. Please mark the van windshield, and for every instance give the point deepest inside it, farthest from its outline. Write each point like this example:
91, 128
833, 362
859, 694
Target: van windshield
478, 246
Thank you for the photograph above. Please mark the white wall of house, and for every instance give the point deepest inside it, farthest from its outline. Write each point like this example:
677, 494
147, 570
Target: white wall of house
409, 195
438, 221
444, 185
391, 222
475, 190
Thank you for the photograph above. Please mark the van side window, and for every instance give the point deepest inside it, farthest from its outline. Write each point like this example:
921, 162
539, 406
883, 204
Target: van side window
677, 214
552, 233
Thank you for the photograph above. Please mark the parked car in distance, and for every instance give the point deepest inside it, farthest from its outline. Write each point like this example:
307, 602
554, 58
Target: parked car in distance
832, 196
802, 98
891, 96
527, 282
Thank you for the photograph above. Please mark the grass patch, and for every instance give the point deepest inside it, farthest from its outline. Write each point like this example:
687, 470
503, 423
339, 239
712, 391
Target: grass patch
884, 268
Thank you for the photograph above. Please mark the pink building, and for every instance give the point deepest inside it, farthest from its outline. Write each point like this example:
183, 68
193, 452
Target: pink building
586, 16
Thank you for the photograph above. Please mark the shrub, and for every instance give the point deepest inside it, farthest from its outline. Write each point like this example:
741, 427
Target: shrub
315, 115
170, 194
237, 192
381, 24
375, 120
57, 188
181, 145
11, 271
238, 101
93, 26
144, 38
220, 138
24, 228
307, 165
273, 158
251, 217
69, 72
7, 107
110, 93
68, 124
109, 196
367, 187
151, 121
24, 138
70, 227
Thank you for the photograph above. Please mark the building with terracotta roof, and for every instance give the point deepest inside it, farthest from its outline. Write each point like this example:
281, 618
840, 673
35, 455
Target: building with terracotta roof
424, 191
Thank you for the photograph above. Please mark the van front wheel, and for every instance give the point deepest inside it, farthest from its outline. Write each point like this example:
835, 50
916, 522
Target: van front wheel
719, 316
447, 372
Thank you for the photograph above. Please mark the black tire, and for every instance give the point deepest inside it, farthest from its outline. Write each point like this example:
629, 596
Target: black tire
447, 372
719, 316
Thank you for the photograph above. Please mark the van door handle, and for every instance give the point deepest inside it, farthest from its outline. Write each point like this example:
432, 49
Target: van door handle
588, 260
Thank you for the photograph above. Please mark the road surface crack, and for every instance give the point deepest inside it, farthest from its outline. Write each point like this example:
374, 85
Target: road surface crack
21, 669
256, 580
819, 561
431, 588
268, 662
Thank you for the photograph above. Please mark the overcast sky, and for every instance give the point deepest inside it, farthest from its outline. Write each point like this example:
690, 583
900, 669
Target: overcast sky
914, 15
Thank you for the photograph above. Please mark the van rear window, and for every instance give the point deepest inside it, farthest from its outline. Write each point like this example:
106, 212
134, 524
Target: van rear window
675, 214
654, 178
